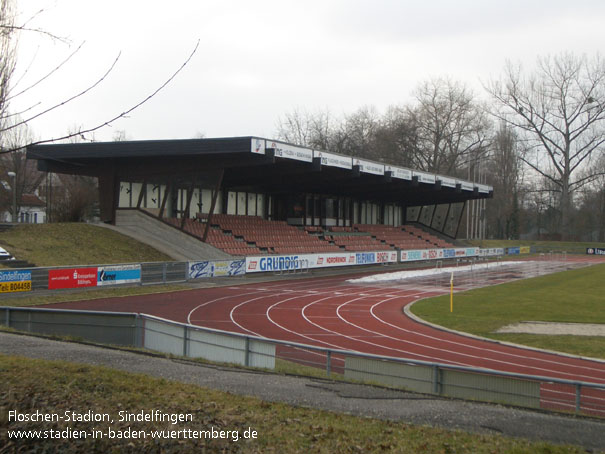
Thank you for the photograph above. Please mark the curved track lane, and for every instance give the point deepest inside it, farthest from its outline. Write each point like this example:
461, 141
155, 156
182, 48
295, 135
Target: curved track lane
334, 313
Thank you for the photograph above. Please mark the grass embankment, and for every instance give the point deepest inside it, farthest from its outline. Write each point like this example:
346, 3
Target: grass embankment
33, 299
571, 296
66, 244
56, 387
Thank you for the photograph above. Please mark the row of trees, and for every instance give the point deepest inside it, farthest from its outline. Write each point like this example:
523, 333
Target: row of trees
539, 139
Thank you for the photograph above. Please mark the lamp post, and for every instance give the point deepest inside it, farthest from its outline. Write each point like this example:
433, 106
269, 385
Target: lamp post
13, 175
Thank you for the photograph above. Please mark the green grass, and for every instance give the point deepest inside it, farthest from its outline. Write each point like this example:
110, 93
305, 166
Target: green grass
65, 244
33, 299
56, 387
571, 296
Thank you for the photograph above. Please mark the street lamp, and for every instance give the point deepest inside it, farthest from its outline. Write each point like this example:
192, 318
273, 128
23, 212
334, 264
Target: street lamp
13, 175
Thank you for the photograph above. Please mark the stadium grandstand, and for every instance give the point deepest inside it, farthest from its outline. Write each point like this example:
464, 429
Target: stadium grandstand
250, 196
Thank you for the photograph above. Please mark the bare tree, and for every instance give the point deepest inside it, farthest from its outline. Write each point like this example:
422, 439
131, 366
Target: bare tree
504, 175
9, 32
396, 137
7, 54
309, 129
559, 112
27, 177
451, 126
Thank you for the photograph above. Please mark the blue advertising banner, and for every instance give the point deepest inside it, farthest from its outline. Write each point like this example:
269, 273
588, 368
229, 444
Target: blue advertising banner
595, 251
15, 281
118, 274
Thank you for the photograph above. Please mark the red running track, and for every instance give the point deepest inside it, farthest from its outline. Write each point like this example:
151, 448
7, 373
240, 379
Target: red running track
334, 313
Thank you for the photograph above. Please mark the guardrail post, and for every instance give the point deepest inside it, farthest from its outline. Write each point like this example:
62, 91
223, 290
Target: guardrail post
138, 331
328, 363
8, 317
578, 397
185, 341
436, 381
247, 352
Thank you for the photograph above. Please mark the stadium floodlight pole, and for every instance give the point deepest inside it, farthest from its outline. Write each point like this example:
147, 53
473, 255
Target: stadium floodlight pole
13, 176
452, 292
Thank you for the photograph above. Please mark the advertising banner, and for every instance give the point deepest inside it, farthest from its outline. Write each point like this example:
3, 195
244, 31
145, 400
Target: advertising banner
118, 274
436, 254
513, 250
595, 251
208, 268
15, 281
257, 146
287, 151
524, 250
304, 261
72, 278
334, 160
491, 252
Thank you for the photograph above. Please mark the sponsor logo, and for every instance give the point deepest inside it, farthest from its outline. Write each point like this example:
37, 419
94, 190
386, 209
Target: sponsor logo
365, 257
382, 257
279, 263
72, 278
332, 260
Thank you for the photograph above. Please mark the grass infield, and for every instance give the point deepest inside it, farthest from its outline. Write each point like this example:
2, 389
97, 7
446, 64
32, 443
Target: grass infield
570, 296
53, 387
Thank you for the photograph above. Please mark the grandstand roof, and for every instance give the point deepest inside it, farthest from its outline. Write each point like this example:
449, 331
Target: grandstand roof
255, 164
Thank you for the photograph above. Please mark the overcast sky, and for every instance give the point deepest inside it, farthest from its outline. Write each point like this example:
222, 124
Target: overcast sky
258, 60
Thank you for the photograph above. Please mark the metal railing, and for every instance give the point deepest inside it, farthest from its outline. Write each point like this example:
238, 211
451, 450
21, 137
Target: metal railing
154, 333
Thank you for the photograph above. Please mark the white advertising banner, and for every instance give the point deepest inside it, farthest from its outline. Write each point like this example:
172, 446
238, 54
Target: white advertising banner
216, 268
287, 151
467, 185
303, 261
484, 189
436, 254
374, 168
257, 145
398, 172
447, 182
334, 160
491, 252
424, 177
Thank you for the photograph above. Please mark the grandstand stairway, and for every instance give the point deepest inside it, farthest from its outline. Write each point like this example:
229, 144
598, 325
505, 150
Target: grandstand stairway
164, 238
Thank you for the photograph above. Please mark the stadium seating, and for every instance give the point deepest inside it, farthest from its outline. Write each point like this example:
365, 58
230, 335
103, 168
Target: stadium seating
403, 237
251, 235
358, 242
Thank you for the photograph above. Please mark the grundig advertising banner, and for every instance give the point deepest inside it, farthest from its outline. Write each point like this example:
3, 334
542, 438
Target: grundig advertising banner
304, 261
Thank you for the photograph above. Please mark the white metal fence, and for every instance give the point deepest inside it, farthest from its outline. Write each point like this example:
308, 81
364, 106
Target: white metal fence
154, 333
